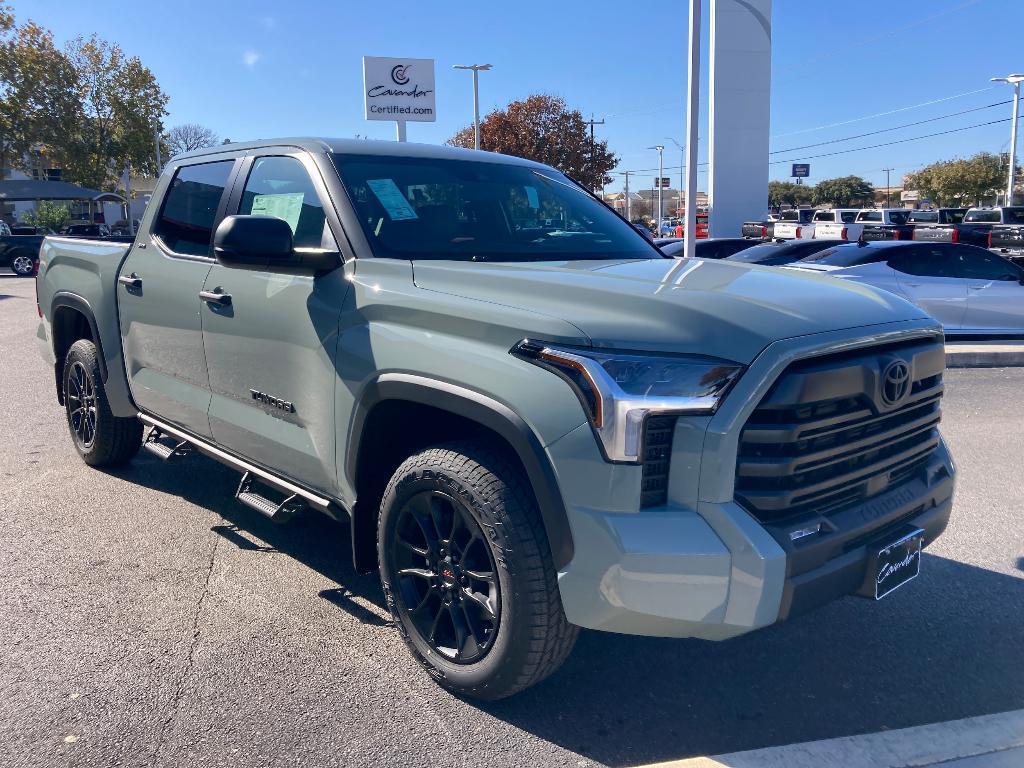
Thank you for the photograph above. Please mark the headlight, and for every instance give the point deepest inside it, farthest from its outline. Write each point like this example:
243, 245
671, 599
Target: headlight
619, 390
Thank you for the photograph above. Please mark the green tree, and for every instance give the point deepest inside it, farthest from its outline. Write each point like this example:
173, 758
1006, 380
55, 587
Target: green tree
787, 193
844, 191
88, 108
120, 105
544, 129
37, 95
964, 181
48, 214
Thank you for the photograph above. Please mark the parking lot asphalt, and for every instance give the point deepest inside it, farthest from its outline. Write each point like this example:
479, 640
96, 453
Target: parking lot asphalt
148, 619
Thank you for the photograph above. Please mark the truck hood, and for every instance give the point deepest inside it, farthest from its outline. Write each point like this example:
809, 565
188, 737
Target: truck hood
721, 308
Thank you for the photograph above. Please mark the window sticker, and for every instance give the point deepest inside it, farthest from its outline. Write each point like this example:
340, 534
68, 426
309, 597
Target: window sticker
392, 199
287, 206
533, 197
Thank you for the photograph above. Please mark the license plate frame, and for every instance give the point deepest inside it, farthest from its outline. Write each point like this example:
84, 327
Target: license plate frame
897, 562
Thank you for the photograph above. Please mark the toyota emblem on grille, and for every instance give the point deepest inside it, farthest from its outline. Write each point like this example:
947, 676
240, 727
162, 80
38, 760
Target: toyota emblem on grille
895, 383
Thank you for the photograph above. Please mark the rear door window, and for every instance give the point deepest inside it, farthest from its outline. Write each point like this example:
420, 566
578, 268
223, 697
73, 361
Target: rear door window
978, 264
185, 224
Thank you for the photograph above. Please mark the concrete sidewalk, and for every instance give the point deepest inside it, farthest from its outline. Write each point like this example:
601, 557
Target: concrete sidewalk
984, 354
989, 741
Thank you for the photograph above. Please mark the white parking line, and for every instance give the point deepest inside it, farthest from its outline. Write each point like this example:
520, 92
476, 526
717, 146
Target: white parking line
989, 741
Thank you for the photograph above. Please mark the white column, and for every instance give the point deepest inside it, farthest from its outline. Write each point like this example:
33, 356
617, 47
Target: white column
692, 121
739, 106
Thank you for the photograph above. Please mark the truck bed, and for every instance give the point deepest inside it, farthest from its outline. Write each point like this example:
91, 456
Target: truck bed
77, 271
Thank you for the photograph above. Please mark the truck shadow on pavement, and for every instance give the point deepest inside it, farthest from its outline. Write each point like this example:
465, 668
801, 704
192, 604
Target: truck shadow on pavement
948, 646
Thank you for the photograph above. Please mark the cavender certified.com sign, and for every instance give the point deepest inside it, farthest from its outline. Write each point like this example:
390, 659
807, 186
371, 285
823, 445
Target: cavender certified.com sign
399, 89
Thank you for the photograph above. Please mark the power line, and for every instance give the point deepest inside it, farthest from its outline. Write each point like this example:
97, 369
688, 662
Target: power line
894, 128
848, 151
883, 114
891, 143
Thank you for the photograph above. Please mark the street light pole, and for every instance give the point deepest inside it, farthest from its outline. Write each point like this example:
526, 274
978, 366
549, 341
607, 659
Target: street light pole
1014, 80
626, 174
661, 175
692, 115
476, 69
887, 203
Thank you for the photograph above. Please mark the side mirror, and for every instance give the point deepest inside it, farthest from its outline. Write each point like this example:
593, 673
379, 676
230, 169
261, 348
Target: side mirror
264, 244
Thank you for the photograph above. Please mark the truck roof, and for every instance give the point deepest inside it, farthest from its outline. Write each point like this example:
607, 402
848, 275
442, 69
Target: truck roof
365, 147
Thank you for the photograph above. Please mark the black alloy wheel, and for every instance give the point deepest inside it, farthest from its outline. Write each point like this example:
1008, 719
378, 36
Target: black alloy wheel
445, 577
80, 394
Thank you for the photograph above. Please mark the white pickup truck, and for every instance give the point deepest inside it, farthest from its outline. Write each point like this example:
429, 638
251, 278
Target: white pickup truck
851, 229
792, 224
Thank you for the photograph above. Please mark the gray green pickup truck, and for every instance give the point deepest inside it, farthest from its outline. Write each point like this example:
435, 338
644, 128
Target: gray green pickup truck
529, 420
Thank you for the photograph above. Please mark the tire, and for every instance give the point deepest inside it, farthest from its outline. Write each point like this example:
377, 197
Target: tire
101, 438
23, 265
473, 495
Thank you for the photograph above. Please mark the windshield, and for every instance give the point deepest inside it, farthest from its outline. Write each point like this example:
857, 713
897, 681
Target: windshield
982, 216
923, 217
424, 208
899, 217
846, 255
1013, 215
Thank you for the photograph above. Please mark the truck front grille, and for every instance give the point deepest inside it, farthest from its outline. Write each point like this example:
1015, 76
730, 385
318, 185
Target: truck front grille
657, 450
828, 435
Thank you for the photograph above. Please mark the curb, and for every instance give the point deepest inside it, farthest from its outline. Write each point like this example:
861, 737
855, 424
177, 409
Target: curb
987, 741
984, 355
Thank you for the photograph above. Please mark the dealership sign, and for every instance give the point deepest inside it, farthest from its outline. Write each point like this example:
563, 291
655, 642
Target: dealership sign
399, 89
801, 170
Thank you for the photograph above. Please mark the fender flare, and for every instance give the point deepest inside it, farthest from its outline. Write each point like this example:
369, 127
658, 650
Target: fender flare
76, 302
487, 412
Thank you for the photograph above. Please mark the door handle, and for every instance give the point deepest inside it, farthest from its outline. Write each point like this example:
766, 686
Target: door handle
216, 297
132, 280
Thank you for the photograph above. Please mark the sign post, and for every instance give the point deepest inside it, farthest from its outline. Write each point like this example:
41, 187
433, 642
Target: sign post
399, 89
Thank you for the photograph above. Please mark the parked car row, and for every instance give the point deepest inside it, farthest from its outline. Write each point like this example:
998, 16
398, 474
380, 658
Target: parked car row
970, 290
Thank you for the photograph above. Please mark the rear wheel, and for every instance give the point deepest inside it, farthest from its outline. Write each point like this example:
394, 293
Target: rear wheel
467, 572
23, 265
100, 438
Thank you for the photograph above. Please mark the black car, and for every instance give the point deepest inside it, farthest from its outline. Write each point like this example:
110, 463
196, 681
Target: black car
785, 252
709, 248
19, 251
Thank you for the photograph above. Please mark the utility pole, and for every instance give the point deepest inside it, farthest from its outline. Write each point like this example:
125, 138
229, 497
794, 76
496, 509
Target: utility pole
476, 69
626, 174
661, 175
682, 166
1015, 81
592, 122
888, 204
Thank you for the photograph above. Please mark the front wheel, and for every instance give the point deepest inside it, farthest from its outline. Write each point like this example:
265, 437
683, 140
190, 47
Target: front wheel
100, 437
467, 572
23, 266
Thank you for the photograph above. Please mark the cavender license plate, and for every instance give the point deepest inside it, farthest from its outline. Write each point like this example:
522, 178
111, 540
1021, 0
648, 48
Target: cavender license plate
897, 563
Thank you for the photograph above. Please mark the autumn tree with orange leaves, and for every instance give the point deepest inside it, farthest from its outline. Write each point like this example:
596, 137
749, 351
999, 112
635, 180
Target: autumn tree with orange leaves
542, 128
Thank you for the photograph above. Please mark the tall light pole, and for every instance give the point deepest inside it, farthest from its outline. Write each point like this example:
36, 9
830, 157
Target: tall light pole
887, 170
476, 69
682, 165
1014, 80
661, 175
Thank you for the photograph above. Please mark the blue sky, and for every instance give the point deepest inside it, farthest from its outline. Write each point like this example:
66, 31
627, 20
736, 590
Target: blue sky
260, 69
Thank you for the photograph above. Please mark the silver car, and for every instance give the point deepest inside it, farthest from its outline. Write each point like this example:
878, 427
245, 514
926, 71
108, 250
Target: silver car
968, 289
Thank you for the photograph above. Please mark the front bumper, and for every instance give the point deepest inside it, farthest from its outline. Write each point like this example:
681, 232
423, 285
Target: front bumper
708, 569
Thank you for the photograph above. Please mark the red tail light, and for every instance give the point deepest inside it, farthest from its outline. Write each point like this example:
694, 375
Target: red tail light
913, 234
989, 238
798, 231
956, 236
844, 234
895, 234
764, 231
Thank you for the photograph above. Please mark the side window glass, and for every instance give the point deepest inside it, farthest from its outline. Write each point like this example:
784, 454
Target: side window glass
190, 207
280, 186
985, 266
921, 262
849, 216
